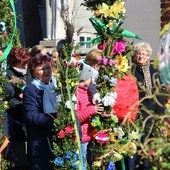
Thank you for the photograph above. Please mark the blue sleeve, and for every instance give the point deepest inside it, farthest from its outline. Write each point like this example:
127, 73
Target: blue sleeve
32, 112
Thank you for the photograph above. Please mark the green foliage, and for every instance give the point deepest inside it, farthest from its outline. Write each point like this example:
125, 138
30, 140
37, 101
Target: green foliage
6, 31
7, 17
65, 140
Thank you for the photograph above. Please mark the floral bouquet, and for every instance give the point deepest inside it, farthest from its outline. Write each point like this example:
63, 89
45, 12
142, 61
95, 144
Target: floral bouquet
116, 130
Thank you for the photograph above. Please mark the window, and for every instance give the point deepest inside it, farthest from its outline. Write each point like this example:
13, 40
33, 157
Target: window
84, 39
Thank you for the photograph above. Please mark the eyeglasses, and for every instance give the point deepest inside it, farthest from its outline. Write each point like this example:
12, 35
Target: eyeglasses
142, 54
43, 69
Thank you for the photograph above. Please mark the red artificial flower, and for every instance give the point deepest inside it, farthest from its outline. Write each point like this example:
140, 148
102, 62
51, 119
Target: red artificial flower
127, 98
61, 134
152, 153
69, 129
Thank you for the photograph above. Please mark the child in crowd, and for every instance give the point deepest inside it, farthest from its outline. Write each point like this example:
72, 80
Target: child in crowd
85, 108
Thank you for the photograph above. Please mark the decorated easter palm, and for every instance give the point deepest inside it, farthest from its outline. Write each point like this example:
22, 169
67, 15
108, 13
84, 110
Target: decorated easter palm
9, 36
116, 130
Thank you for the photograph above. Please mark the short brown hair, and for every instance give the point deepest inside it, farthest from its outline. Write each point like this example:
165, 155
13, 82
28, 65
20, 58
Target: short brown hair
18, 55
93, 57
40, 59
36, 49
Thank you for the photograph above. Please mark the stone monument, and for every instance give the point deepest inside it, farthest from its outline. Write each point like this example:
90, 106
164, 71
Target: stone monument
54, 22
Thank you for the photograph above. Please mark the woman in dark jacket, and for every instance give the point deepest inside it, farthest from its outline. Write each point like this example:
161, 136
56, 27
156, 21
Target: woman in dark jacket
149, 81
18, 75
39, 109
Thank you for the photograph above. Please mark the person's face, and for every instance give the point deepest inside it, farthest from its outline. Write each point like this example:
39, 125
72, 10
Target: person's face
43, 51
141, 56
43, 73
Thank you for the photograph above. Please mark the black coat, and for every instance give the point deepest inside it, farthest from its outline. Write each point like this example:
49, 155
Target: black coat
150, 104
14, 112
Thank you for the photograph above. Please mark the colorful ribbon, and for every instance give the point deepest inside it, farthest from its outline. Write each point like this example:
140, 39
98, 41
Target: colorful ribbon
3, 146
8, 49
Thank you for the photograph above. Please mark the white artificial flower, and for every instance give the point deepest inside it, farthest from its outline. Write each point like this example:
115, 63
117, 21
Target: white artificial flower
96, 98
67, 104
74, 98
109, 99
119, 132
134, 135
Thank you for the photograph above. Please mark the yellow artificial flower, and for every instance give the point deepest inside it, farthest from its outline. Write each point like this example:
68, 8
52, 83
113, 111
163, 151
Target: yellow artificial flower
117, 8
104, 9
130, 149
1, 90
5, 105
97, 163
117, 156
1, 53
97, 13
111, 24
112, 137
122, 63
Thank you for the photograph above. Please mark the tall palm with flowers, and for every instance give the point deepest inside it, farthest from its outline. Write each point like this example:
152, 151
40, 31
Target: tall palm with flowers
9, 36
116, 130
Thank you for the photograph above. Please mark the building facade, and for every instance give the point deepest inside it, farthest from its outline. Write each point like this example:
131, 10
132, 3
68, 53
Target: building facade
142, 17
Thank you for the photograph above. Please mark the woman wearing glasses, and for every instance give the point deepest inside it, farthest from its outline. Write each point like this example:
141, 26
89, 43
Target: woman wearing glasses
149, 82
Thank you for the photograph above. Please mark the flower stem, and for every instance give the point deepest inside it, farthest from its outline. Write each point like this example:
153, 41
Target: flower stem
74, 120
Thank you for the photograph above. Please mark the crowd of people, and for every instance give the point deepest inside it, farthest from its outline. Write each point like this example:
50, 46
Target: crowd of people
33, 102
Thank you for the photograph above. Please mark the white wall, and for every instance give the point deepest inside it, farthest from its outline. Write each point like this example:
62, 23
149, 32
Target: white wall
143, 18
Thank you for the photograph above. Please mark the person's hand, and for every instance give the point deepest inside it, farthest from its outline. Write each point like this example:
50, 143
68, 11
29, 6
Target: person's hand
99, 108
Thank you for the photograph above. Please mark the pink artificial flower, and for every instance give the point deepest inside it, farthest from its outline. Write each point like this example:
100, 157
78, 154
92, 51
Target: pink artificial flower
105, 60
102, 137
111, 62
61, 134
118, 47
69, 129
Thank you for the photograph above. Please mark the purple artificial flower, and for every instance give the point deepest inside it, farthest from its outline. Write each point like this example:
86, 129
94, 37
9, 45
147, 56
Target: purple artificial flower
58, 161
75, 158
75, 166
105, 60
111, 62
110, 166
100, 46
68, 155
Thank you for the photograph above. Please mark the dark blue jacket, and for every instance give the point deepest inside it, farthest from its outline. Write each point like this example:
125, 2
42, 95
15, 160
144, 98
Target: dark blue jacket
39, 127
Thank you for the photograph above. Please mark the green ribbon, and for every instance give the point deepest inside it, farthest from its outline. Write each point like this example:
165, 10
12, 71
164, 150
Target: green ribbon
116, 27
122, 163
96, 40
8, 49
129, 34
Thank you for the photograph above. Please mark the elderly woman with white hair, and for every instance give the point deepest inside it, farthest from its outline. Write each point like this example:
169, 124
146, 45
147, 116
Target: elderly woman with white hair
148, 80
